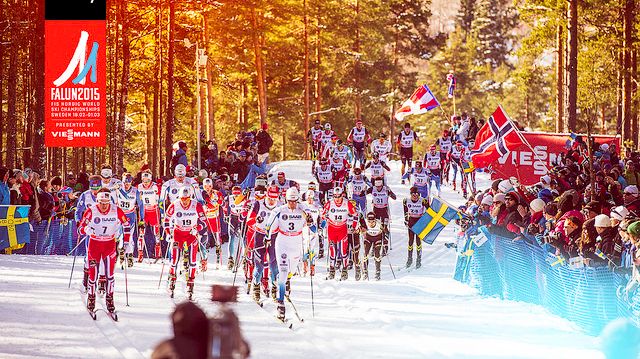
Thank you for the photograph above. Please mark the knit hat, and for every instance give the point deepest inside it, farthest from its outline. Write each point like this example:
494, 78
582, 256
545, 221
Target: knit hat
488, 200
537, 205
495, 184
551, 209
602, 220
565, 204
619, 213
545, 195
634, 228
499, 198
505, 186
633, 189
593, 206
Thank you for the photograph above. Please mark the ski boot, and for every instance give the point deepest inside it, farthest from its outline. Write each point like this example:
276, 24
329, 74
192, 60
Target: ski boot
109, 301
102, 285
172, 283
350, 264
344, 275
274, 292
91, 302
190, 289
265, 286
313, 270
402, 182
130, 260
378, 270
218, 258
321, 253
185, 262
410, 258
230, 263
121, 257
365, 274
418, 259
287, 288
248, 286
256, 292
332, 273
140, 256
203, 265
85, 279
281, 310
357, 273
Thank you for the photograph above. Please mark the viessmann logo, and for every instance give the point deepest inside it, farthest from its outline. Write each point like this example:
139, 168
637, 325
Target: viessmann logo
71, 134
78, 61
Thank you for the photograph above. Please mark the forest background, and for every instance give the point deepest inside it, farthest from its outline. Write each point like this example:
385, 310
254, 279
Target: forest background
553, 65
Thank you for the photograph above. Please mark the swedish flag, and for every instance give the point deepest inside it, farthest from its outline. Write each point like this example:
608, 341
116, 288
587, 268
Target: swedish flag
437, 216
14, 226
468, 167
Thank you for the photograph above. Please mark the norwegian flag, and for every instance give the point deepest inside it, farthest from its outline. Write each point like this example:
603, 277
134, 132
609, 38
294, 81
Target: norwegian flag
495, 139
420, 102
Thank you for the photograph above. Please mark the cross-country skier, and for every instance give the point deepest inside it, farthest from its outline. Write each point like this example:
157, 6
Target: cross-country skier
405, 140
421, 179
313, 139
380, 194
171, 188
102, 223
339, 214
318, 204
87, 200
377, 167
471, 175
414, 207
324, 139
323, 174
353, 239
373, 231
340, 169
235, 207
358, 184
184, 220
108, 181
310, 245
264, 255
129, 202
342, 152
455, 158
284, 184
285, 232
445, 145
434, 165
150, 215
359, 138
212, 209
259, 195
382, 147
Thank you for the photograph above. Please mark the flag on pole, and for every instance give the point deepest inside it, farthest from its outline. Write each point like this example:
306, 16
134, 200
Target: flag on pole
452, 84
14, 226
496, 138
420, 102
437, 216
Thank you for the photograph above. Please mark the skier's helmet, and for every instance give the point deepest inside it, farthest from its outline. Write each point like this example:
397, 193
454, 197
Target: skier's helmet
207, 183
103, 196
292, 194
185, 192
327, 126
180, 170
273, 192
337, 192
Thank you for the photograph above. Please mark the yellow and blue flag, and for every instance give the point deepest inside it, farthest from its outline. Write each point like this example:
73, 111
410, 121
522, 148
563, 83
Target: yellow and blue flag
600, 254
468, 167
14, 226
437, 216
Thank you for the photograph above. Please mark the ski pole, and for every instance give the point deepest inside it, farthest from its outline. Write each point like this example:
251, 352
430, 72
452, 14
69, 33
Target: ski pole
77, 245
72, 267
235, 270
313, 308
163, 262
126, 282
390, 266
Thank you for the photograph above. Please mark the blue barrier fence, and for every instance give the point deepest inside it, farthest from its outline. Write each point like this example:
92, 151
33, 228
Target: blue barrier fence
59, 237
518, 270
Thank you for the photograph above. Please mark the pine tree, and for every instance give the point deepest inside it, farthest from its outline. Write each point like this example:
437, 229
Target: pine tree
491, 27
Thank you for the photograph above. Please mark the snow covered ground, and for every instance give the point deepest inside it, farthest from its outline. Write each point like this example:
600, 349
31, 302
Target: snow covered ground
421, 314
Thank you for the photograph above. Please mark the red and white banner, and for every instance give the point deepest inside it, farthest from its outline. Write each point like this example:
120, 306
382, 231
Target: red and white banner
528, 166
75, 83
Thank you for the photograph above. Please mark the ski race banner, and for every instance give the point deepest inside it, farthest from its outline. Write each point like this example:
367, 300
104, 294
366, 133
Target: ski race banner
528, 165
75, 73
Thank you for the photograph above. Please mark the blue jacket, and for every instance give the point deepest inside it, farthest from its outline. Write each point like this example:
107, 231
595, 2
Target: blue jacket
5, 195
182, 157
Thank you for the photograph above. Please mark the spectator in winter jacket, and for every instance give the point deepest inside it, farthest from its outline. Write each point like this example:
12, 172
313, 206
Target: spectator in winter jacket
513, 219
45, 200
14, 187
473, 128
5, 196
180, 158
631, 200
211, 156
265, 142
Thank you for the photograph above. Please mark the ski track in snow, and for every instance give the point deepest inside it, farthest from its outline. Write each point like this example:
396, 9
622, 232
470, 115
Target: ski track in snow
423, 313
